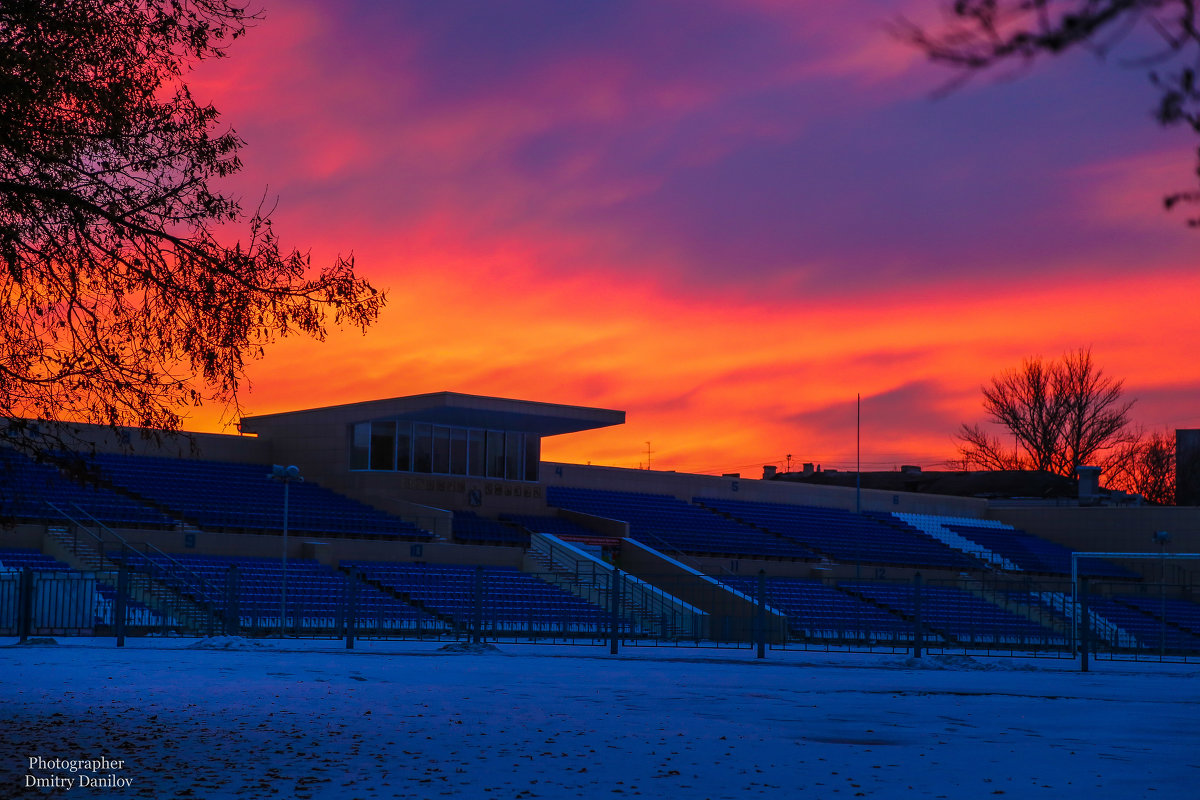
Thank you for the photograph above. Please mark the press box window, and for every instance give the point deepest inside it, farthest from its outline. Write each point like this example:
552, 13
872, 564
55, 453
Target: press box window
423, 448
398, 446
383, 446
476, 453
360, 446
441, 450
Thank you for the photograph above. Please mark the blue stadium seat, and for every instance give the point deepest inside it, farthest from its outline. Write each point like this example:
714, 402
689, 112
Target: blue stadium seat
512, 600
845, 536
665, 522
237, 496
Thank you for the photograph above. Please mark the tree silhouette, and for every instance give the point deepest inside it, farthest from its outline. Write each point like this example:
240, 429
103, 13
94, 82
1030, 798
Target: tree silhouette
1146, 465
1060, 414
982, 34
121, 300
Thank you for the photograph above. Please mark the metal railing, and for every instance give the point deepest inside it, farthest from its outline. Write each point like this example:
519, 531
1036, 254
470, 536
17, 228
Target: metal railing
998, 615
172, 591
651, 609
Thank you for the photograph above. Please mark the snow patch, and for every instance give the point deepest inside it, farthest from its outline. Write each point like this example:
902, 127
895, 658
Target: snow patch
228, 643
945, 662
34, 640
567, 721
469, 647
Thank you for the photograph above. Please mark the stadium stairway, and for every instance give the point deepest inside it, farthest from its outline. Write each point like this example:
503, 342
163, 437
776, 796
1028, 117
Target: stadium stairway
74, 550
936, 527
565, 529
1019, 604
648, 609
82, 549
1069, 609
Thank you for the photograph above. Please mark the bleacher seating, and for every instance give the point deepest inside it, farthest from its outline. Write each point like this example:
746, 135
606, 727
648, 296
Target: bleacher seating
20, 558
1143, 625
667, 523
238, 496
512, 599
821, 612
1034, 554
316, 595
26, 487
844, 535
471, 528
1180, 613
957, 614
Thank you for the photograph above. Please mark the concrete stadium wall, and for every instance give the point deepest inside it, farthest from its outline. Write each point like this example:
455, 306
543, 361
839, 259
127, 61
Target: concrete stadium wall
211, 446
27, 537
327, 550
685, 486
774, 568
1117, 529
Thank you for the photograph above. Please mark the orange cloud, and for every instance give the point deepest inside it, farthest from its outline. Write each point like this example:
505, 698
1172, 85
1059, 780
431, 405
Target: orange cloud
717, 384
728, 241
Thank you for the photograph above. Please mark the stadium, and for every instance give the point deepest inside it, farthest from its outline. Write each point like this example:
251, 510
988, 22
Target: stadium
398, 598
433, 516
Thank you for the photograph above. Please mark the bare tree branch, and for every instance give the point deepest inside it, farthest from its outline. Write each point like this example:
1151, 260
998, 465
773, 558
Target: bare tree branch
984, 34
1061, 414
119, 304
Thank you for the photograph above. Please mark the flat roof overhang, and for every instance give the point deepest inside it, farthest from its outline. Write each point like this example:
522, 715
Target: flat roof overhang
452, 408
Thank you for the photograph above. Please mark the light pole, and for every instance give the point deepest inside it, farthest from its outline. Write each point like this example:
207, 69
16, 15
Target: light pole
1161, 538
285, 475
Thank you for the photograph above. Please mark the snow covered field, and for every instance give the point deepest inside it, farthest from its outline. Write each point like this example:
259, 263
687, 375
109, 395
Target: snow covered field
238, 718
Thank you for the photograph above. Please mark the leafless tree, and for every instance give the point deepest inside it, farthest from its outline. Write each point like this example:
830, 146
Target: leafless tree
983, 34
1060, 414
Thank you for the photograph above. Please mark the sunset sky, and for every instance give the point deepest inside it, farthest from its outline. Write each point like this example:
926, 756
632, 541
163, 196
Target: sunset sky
726, 218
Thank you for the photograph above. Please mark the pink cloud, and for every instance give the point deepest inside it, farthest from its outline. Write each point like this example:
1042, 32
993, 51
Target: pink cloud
728, 241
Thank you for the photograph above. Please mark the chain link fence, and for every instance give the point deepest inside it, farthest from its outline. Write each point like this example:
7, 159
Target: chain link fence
1021, 616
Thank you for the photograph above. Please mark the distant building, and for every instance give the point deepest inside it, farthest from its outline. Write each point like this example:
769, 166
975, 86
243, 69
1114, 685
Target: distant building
1187, 467
999, 487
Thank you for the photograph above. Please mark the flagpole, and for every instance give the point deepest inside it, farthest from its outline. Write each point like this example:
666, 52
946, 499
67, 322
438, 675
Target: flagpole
858, 454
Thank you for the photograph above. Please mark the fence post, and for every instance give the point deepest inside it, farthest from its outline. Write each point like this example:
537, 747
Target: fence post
351, 607
1085, 625
478, 635
233, 612
211, 608
119, 600
614, 597
25, 604
917, 632
760, 615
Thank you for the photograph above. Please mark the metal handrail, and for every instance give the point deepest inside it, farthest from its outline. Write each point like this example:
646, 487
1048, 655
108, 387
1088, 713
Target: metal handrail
81, 526
126, 546
651, 598
202, 582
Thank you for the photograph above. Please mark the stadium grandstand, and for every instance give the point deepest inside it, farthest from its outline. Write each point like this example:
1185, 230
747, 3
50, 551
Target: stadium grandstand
434, 515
